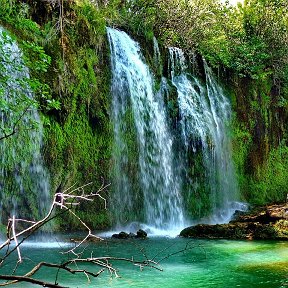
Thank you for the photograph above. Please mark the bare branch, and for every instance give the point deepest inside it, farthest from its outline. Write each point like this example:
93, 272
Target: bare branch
186, 248
65, 200
14, 279
16, 241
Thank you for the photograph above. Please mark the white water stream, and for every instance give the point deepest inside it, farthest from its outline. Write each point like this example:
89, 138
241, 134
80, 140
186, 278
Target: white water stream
204, 117
158, 182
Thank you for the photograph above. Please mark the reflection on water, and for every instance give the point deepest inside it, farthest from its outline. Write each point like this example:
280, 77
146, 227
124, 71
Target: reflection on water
209, 263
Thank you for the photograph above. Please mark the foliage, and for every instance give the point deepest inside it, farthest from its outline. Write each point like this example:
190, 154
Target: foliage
15, 99
250, 39
242, 141
270, 183
139, 17
20, 125
174, 22
70, 85
79, 135
65, 49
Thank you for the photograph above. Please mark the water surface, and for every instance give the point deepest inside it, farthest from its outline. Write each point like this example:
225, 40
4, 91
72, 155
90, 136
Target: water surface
207, 263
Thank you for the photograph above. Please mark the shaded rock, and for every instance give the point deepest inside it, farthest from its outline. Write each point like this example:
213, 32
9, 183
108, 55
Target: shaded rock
132, 235
237, 214
141, 234
265, 214
219, 231
121, 235
270, 222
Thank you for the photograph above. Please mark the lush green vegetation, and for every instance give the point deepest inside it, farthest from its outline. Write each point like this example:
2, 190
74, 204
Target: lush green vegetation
66, 52
72, 91
249, 44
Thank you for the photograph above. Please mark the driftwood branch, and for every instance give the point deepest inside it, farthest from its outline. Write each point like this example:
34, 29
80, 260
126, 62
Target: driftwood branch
64, 202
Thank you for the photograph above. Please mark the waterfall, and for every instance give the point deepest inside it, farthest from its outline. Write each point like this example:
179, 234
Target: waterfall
24, 182
172, 154
146, 183
204, 116
157, 56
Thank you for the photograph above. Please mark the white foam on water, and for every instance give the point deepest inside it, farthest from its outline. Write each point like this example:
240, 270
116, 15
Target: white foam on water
150, 230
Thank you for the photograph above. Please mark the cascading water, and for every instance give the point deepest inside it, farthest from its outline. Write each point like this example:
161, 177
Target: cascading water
205, 113
157, 56
24, 181
148, 189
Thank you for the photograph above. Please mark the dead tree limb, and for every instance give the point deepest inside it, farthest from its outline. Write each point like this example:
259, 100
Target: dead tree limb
63, 202
14, 279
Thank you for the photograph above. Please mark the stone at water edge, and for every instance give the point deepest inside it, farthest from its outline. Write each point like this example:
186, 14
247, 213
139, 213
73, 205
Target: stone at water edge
121, 235
270, 222
264, 215
218, 231
141, 234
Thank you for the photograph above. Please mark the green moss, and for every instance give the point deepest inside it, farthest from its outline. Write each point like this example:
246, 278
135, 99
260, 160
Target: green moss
73, 93
259, 159
75, 153
99, 219
270, 185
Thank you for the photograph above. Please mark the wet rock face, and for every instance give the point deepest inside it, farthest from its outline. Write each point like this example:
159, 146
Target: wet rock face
265, 215
141, 234
270, 222
121, 235
219, 231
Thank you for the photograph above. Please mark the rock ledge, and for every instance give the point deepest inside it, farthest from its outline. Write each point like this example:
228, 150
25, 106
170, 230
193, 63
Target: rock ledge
269, 222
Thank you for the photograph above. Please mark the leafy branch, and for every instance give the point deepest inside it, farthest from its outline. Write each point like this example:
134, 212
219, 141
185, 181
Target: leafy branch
14, 128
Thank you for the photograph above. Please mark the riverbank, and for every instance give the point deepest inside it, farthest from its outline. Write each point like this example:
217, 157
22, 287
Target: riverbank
268, 222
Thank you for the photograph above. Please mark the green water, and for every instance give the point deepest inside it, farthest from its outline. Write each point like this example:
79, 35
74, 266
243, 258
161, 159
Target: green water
213, 263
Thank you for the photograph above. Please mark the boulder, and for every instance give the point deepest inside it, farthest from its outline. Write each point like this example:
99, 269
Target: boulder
121, 235
141, 234
269, 222
132, 235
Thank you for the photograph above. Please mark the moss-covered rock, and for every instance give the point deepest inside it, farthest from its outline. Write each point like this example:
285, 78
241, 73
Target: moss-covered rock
269, 222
